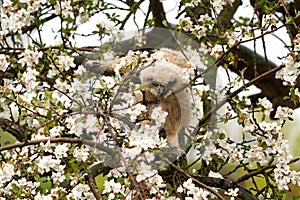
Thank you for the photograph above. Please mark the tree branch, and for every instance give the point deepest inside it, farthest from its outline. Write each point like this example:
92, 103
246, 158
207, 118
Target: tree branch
133, 8
237, 91
36, 142
13, 129
33, 26
195, 180
94, 171
158, 13
227, 184
271, 87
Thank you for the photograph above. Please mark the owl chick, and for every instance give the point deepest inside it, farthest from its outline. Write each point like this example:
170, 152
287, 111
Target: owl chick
164, 86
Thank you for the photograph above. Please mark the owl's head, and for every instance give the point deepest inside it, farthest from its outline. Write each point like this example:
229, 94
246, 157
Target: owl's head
161, 80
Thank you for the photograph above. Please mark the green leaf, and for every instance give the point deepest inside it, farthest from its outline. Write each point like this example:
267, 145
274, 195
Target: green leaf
7, 101
45, 183
100, 179
49, 114
75, 166
222, 136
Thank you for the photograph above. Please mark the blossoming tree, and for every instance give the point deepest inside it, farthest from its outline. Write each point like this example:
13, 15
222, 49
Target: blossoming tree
75, 123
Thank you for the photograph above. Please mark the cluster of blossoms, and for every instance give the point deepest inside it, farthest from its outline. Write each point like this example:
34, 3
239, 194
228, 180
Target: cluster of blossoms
192, 191
290, 72
204, 26
266, 105
64, 8
270, 146
145, 177
270, 20
200, 29
14, 20
32, 168
296, 43
29, 58
288, 1
17, 16
216, 4
30, 161
208, 145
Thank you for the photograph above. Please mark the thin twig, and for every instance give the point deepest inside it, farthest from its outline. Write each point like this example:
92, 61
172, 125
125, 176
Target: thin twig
195, 180
35, 142
234, 93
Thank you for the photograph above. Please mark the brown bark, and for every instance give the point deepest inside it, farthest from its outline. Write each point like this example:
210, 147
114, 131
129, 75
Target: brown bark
271, 87
158, 13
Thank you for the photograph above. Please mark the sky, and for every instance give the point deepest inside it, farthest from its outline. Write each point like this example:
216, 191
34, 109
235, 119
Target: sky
275, 48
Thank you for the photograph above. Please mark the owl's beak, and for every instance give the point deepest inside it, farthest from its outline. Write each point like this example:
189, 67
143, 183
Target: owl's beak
163, 91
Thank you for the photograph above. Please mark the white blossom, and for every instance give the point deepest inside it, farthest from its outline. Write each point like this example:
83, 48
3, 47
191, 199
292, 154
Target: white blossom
289, 72
144, 172
3, 62
111, 186
283, 113
296, 43
218, 50
256, 155
288, 1
232, 192
194, 191
81, 154
215, 175
46, 163
64, 8
80, 191
269, 127
189, 184
56, 131
66, 62
15, 20
219, 4
186, 24
46, 147
29, 57
266, 104
158, 115
61, 150
7, 171
58, 177
192, 3
80, 70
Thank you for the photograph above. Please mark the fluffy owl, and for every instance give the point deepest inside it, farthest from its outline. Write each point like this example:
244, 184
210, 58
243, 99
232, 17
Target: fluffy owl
164, 86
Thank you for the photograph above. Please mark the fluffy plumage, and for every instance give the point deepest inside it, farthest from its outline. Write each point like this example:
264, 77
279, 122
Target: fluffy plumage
164, 86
